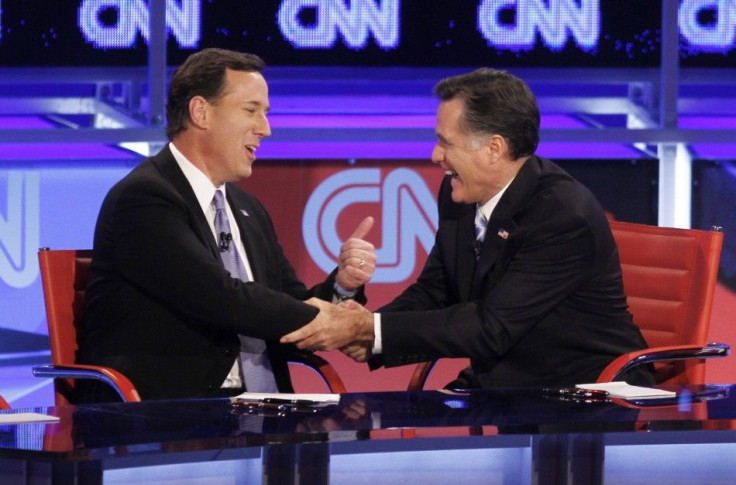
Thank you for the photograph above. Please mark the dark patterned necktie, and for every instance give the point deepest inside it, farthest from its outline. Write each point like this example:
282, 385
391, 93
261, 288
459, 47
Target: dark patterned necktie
253, 353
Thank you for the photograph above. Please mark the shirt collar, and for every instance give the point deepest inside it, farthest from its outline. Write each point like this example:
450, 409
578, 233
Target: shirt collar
487, 208
202, 186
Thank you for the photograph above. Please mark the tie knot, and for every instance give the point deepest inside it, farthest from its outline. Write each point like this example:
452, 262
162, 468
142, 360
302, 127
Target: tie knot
219, 200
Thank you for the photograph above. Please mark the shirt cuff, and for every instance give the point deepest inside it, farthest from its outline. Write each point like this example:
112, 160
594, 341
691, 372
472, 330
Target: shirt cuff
343, 294
377, 339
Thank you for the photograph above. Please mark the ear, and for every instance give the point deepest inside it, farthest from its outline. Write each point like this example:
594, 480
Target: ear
198, 107
498, 147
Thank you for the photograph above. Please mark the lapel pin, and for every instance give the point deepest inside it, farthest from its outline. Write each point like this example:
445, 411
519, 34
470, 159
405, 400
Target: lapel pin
244, 212
503, 233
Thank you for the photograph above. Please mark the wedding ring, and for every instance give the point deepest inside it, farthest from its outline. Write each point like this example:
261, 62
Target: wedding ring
362, 263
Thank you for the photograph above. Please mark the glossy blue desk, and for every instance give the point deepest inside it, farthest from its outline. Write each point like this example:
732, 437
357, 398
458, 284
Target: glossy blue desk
499, 436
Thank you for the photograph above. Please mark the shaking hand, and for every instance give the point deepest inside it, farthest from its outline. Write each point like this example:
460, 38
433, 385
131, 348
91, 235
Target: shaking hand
334, 327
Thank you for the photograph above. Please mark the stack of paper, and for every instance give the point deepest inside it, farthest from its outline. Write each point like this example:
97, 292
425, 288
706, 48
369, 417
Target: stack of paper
627, 391
291, 398
18, 418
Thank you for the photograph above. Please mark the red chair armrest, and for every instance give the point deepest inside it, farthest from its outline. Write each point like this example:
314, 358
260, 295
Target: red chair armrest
118, 381
626, 362
420, 375
325, 370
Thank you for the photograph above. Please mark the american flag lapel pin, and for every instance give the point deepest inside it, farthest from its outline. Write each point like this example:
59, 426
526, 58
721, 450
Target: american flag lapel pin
503, 233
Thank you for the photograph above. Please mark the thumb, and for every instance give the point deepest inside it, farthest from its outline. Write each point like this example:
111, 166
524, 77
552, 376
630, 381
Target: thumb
363, 228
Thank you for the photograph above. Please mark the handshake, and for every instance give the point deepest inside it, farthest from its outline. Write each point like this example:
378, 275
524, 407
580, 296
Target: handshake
347, 327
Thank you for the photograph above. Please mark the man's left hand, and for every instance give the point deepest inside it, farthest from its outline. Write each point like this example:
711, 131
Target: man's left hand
357, 258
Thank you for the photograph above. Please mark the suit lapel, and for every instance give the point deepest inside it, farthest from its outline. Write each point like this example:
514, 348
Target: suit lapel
490, 251
250, 234
170, 170
465, 251
497, 235
501, 226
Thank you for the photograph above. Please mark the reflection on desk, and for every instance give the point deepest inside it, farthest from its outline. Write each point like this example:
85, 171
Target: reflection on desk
100, 437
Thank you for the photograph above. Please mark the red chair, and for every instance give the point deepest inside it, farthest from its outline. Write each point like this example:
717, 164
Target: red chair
669, 278
64, 275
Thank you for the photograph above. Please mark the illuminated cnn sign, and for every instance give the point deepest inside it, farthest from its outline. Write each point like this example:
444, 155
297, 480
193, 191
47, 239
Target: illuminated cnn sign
555, 22
708, 25
129, 18
408, 214
354, 21
19, 229
501, 33
318, 24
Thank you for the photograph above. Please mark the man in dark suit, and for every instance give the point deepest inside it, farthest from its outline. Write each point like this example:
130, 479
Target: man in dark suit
161, 306
524, 277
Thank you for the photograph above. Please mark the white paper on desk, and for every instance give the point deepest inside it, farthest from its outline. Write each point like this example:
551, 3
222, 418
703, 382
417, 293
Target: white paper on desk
18, 418
627, 391
315, 399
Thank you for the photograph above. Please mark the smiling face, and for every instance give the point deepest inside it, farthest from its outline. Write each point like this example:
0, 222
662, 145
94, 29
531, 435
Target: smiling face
467, 157
480, 164
233, 126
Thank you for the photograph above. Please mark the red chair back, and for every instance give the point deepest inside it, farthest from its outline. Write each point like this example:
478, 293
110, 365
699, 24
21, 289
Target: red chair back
64, 276
670, 277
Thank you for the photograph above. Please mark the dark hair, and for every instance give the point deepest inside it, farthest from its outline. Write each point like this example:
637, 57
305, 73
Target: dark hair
496, 103
203, 74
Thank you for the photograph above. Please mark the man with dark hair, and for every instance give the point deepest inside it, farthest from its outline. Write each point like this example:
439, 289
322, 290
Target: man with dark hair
524, 276
189, 288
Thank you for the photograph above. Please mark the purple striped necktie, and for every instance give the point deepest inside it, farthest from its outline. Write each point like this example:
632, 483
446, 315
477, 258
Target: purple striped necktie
256, 366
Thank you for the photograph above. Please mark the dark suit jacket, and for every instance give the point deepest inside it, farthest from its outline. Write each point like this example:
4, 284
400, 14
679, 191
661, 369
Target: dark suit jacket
162, 309
543, 305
